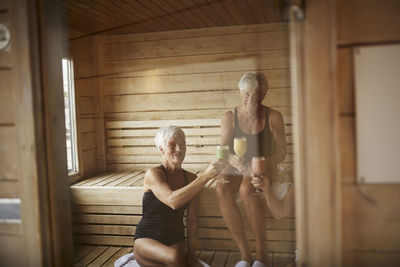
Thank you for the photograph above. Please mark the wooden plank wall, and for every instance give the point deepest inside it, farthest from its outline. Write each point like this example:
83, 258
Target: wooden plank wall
370, 221
89, 113
191, 74
11, 241
23, 238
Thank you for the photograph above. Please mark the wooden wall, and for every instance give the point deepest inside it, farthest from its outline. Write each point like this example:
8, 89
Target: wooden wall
11, 240
90, 122
370, 221
23, 238
191, 74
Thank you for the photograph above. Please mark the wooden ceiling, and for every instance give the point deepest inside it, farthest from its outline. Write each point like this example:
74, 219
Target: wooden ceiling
87, 17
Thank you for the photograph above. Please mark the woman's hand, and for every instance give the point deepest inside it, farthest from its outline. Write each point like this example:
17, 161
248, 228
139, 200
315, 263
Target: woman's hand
238, 163
214, 168
261, 182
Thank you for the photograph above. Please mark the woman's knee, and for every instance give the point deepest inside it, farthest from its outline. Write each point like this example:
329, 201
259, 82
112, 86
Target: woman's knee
246, 190
175, 258
224, 192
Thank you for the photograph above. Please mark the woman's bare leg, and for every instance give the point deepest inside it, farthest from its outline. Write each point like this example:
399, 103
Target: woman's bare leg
226, 193
255, 214
150, 252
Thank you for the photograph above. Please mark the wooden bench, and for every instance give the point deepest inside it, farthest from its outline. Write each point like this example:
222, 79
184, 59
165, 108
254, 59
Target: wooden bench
107, 206
89, 255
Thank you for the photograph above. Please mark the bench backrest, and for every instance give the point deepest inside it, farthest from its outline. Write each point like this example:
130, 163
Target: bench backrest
130, 144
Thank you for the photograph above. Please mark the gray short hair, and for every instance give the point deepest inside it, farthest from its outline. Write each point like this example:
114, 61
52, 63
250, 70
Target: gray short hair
253, 80
165, 133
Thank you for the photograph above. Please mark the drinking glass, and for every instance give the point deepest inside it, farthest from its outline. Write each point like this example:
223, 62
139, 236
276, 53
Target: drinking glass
222, 153
258, 168
240, 146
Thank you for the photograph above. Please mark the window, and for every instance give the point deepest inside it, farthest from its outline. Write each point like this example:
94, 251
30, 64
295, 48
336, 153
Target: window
70, 117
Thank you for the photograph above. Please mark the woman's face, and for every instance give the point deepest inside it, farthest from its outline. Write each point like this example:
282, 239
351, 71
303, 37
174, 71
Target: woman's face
252, 99
175, 149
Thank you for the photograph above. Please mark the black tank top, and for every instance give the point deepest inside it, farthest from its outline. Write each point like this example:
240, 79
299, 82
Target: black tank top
260, 144
154, 210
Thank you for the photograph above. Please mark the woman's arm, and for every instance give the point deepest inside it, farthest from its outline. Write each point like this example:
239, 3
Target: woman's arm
192, 231
279, 208
227, 131
155, 181
277, 128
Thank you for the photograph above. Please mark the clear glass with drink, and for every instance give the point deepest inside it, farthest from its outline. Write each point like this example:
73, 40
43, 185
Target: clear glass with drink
240, 146
258, 166
222, 153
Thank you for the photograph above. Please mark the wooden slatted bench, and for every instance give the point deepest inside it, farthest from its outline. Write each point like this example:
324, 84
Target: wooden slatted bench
91, 255
107, 206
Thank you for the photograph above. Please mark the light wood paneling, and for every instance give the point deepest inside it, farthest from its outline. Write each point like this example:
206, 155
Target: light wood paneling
202, 32
83, 69
347, 145
7, 98
320, 183
83, 53
11, 250
9, 154
239, 61
9, 189
88, 141
125, 103
345, 83
243, 42
178, 114
162, 76
370, 217
10, 228
84, 87
368, 21
371, 258
370, 232
86, 18
130, 144
278, 78
86, 125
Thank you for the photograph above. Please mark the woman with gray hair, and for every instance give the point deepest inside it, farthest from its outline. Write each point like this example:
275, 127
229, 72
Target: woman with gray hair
263, 129
168, 191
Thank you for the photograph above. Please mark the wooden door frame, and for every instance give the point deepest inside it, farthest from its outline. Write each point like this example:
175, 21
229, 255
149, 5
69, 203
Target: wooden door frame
46, 47
317, 180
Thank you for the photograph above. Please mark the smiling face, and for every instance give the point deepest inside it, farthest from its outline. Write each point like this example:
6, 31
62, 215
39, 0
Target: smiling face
252, 99
175, 149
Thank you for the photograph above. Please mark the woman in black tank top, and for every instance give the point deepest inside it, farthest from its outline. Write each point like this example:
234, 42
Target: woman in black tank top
264, 131
168, 191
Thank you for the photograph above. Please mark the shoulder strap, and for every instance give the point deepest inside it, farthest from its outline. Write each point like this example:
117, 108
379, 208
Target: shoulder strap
266, 127
165, 172
185, 176
236, 119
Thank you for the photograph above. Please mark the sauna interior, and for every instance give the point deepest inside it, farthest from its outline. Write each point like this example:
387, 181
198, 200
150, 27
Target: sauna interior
139, 65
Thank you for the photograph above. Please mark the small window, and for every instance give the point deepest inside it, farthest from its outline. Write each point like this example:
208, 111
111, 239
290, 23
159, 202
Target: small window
70, 115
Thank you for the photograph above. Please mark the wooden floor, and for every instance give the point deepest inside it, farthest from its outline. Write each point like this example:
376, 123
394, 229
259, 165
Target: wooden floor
107, 255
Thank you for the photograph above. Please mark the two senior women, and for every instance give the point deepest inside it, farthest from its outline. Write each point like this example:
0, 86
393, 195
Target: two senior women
264, 131
168, 191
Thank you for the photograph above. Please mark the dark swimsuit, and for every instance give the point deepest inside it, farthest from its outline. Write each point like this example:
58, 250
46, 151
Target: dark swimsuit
159, 221
260, 144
